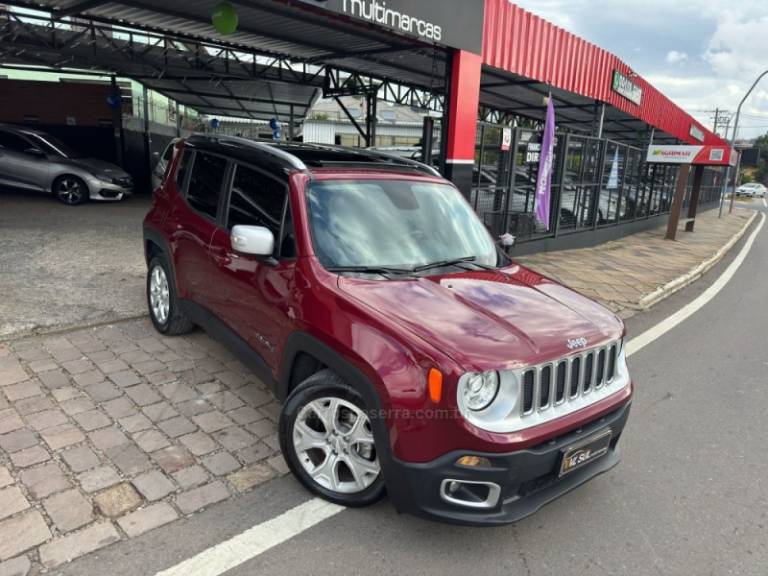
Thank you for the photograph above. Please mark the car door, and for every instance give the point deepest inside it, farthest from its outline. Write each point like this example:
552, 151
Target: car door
20, 166
253, 293
191, 225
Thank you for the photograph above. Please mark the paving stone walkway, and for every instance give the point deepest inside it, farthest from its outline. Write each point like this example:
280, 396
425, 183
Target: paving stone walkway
620, 273
108, 432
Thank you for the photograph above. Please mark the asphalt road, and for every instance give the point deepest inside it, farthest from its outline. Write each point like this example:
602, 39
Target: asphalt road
105, 282
690, 496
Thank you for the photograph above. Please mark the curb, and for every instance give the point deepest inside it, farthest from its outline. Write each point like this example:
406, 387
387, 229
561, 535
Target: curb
690, 277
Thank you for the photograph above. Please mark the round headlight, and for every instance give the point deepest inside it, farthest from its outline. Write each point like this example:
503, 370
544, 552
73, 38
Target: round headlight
480, 390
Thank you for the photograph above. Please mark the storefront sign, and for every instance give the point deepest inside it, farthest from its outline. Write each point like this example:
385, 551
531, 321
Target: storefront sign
624, 86
453, 23
532, 153
506, 139
696, 133
697, 155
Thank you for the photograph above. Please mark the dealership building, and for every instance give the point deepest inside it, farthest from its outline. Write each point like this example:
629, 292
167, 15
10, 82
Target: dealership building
479, 72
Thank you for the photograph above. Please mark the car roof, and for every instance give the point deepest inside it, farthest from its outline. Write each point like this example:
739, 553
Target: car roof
283, 158
21, 129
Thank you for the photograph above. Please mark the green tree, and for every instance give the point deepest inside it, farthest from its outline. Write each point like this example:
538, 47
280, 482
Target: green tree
761, 174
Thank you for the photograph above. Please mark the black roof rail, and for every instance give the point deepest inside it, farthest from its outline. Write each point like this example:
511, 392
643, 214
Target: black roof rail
283, 151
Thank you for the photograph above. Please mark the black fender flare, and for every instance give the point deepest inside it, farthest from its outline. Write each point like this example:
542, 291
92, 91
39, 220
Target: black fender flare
301, 342
155, 237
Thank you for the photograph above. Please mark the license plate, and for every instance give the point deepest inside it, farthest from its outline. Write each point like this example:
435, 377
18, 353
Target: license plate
576, 456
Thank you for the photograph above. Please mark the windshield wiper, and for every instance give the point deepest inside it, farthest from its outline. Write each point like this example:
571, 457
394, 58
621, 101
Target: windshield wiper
370, 269
444, 263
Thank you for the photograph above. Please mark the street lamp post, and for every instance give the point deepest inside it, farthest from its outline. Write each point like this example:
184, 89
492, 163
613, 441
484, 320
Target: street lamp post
733, 139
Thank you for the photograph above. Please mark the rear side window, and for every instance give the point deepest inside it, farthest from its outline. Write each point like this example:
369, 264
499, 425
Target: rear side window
205, 183
256, 200
12, 142
181, 171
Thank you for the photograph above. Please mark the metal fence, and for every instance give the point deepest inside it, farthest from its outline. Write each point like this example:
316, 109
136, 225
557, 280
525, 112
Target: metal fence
596, 183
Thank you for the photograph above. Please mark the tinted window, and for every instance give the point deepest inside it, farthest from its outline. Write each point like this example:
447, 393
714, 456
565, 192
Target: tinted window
256, 200
12, 142
181, 171
205, 183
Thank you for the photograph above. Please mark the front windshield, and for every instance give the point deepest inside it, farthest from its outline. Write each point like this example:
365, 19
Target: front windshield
53, 145
394, 223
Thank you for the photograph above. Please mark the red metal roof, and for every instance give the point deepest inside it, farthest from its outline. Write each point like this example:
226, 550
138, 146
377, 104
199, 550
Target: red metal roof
525, 44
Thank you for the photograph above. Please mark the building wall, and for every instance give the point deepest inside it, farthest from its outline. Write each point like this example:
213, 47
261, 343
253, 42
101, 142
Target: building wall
54, 103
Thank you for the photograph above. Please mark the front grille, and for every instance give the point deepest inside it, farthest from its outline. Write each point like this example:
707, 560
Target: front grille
567, 379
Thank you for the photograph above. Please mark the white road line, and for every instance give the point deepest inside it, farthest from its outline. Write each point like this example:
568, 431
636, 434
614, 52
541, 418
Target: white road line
765, 202
254, 541
227, 555
641, 341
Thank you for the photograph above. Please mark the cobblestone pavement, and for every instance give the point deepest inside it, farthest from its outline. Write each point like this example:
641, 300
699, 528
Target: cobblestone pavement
620, 273
108, 432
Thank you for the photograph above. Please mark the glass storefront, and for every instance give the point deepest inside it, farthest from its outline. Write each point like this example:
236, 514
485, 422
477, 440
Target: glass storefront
596, 183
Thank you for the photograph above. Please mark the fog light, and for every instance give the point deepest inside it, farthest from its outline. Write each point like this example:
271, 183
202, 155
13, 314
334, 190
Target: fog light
474, 462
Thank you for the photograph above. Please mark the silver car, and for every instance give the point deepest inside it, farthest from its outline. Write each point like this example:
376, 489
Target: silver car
34, 160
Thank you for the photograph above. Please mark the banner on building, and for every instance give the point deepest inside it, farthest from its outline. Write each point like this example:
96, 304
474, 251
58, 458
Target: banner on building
546, 163
696, 155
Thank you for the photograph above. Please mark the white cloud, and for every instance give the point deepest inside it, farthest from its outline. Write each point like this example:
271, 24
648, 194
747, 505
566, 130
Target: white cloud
703, 54
675, 57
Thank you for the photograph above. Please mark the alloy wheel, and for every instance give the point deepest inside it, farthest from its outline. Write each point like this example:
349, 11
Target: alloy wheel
159, 295
334, 443
70, 191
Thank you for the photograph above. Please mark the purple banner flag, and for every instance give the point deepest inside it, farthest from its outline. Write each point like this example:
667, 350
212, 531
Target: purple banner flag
546, 162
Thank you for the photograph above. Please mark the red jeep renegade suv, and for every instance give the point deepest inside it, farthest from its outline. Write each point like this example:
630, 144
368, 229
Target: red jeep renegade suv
409, 353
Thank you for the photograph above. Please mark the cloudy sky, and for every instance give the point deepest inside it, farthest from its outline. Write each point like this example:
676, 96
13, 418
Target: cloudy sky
703, 54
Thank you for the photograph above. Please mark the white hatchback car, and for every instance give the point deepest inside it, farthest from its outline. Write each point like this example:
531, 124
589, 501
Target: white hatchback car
752, 189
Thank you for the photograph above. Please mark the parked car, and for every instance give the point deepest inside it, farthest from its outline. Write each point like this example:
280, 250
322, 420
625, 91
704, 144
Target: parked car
751, 189
408, 352
36, 161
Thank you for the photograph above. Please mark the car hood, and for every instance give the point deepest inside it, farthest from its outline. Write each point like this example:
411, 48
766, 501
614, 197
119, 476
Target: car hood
502, 319
98, 167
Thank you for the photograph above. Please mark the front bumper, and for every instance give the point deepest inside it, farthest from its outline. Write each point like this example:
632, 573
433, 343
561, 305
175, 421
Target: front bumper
528, 479
103, 190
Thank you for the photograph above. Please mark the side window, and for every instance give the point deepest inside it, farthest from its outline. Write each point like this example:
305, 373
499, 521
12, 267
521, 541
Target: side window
205, 182
181, 171
256, 200
13, 143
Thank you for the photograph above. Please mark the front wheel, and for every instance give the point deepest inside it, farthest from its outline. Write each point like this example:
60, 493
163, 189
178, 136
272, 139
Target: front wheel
70, 190
327, 441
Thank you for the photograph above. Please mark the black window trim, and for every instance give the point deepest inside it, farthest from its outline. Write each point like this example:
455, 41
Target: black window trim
183, 185
227, 196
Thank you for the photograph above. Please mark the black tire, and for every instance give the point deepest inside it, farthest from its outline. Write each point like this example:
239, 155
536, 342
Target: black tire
322, 384
70, 190
175, 321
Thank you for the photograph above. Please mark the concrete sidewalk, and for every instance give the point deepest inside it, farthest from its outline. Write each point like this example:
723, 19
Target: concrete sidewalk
632, 273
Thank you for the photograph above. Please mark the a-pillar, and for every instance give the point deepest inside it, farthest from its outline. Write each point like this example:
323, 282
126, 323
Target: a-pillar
463, 104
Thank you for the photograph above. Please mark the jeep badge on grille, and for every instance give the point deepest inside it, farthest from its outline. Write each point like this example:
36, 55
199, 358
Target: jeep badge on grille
577, 343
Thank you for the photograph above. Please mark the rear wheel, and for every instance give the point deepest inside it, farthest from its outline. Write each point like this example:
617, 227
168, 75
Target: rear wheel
327, 441
70, 190
162, 300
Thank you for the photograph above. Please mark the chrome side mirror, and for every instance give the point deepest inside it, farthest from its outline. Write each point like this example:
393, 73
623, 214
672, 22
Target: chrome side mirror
256, 240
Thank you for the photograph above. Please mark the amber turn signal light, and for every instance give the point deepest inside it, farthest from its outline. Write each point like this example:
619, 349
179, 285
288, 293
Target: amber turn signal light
474, 462
435, 381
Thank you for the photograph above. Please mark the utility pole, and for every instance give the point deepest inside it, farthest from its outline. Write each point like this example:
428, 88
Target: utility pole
717, 119
735, 133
